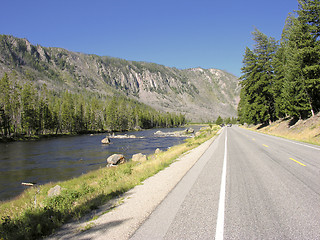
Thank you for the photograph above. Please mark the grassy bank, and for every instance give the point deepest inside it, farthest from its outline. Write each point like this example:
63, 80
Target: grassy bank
300, 130
34, 215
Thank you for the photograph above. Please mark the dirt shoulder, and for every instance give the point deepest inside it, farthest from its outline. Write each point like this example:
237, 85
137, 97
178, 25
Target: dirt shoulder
121, 217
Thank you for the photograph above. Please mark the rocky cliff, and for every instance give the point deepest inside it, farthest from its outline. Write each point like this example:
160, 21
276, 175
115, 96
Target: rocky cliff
201, 94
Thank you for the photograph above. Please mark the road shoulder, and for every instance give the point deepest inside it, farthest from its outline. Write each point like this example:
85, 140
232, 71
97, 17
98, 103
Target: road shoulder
121, 217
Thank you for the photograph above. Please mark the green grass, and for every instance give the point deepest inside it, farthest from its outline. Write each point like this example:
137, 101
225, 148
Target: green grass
25, 218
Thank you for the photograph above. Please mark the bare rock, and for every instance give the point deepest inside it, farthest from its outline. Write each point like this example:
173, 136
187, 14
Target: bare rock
55, 191
115, 159
139, 157
197, 134
189, 130
157, 151
105, 141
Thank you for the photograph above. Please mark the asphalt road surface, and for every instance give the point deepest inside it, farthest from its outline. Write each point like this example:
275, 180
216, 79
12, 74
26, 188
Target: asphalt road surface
247, 185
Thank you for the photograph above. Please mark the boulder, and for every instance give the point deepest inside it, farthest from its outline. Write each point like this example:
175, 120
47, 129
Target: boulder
158, 133
157, 151
105, 141
139, 157
197, 134
189, 130
115, 159
55, 191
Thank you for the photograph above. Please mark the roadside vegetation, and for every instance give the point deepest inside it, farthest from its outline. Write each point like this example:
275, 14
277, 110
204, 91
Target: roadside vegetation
34, 215
303, 130
281, 80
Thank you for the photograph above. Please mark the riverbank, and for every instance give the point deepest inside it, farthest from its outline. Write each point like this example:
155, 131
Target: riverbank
295, 129
19, 137
34, 215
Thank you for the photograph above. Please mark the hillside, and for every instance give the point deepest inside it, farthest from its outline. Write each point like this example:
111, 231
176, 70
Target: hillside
200, 94
307, 130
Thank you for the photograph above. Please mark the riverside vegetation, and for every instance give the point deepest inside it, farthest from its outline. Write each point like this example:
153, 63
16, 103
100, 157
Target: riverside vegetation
27, 111
34, 215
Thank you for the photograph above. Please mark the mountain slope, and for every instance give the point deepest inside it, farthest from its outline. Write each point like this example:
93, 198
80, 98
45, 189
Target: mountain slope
201, 94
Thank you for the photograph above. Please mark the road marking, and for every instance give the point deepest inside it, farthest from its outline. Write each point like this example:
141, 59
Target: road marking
220, 219
265, 145
253, 139
286, 140
297, 162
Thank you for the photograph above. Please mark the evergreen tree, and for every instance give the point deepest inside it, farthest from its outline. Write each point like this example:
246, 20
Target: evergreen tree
302, 69
5, 109
258, 105
219, 120
29, 102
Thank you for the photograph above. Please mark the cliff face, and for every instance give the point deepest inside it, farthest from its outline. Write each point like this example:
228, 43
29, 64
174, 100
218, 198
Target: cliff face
201, 94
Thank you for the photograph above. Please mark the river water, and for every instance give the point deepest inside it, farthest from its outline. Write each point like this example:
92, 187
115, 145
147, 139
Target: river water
62, 158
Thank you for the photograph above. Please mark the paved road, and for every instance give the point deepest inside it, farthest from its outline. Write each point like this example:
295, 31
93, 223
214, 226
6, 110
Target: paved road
246, 186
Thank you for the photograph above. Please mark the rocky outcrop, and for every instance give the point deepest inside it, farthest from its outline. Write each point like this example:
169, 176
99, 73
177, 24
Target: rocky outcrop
124, 136
207, 92
185, 133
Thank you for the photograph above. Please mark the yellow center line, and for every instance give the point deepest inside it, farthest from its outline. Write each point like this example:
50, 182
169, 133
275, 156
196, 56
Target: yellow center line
253, 139
297, 162
265, 145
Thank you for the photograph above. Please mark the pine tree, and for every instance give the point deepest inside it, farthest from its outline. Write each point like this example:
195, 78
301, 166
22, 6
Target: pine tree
29, 100
5, 108
258, 104
302, 69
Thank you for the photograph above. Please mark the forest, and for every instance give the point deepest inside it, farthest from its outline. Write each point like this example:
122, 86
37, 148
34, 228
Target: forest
281, 79
29, 111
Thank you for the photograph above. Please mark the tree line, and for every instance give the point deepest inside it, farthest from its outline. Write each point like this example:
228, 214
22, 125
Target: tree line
26, 110
282, 79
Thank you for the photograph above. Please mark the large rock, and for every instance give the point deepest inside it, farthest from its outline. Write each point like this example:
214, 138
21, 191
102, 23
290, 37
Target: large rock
115, 159
139, 157
55, 191
157, 151
189, 130
105, 140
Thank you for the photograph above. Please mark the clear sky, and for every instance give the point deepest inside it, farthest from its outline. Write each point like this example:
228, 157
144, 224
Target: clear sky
175, 33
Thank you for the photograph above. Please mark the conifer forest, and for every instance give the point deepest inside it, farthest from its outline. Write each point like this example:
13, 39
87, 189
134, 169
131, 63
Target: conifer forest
27, 111
282, 79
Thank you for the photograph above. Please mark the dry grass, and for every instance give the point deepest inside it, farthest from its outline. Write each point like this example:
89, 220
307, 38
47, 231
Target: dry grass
33, 214
303, 130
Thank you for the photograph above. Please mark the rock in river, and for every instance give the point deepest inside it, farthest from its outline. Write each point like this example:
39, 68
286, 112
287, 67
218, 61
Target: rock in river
105, 140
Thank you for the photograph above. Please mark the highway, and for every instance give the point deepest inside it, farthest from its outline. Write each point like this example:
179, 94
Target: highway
246, 185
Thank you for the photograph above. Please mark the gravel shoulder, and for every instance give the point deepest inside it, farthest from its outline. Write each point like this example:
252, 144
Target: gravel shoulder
121, 217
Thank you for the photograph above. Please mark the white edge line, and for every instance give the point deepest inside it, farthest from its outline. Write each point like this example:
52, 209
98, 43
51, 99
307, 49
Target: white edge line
286, 140
220, 218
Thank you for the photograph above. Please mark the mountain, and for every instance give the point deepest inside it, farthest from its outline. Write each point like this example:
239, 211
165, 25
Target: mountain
200, 94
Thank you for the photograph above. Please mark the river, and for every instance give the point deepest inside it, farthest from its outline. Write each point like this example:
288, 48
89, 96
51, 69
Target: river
62, 158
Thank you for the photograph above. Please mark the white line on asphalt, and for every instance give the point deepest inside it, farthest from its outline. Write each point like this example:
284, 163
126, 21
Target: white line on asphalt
290, 141
220, 219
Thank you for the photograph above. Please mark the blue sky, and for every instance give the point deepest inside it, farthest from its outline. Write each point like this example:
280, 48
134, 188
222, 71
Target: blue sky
175, 33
